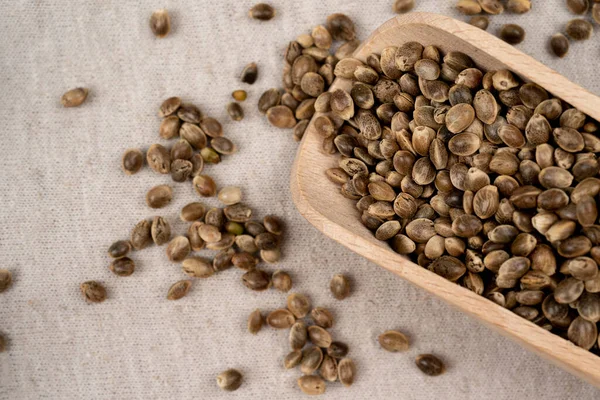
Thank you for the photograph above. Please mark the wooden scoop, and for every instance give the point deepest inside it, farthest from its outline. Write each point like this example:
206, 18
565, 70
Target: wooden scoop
321, 203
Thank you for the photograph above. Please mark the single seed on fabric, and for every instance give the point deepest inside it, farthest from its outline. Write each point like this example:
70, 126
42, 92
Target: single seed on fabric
262, 12
74, 97
229, 380
132, 161
93, 291
160, 23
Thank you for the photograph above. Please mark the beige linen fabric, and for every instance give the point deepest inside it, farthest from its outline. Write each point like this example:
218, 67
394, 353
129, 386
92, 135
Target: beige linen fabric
64, 200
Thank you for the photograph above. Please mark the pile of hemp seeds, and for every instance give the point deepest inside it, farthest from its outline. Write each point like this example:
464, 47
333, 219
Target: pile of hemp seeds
488, 181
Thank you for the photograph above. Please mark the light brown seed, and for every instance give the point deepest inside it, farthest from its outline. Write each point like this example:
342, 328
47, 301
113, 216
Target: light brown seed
178, 249
169, 107
319, 336
280, 319
179, 290
491, 6
255, 322
205, 186
132, 161
568, 290
197, 267
229, 380
346, 371
311, 360
459, 117
403, 6
74, 97
257, 280
393, 341
159, 159
322, 317
93, 291
160, 23
311, 385
160, 231
298, 335
281, 117
293, 359
407, 55
159, 196
340, 286
518, 6
298, 304
468, 7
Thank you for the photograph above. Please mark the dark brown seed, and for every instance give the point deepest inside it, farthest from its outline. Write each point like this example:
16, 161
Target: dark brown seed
235, 111
160, 23
583, 333
512, 33
74, 97
93, 292
430, 364
123, 266
448, 267
159, 196
341, 27
249, 73
132, 161
118, 249
337, 350
192, 212
579, 29
257, 280
578, 6
262, 12
222, 261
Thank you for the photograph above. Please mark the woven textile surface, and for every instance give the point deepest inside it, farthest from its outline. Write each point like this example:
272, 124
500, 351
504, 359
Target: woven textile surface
64, 200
